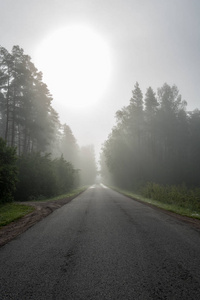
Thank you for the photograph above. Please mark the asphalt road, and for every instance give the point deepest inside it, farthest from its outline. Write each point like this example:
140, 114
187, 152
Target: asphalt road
103, 245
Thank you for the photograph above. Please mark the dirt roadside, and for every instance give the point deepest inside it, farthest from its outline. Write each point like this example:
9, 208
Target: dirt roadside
42, 209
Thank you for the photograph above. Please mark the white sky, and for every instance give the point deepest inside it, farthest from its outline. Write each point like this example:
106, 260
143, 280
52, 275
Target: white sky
151, 41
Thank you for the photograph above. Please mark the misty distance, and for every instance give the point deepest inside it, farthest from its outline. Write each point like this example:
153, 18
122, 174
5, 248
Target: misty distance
155, 139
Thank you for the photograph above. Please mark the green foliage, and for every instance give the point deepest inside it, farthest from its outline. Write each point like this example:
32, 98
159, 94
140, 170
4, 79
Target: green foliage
69, 147
73, 193
177, 195
177, 207
158, 142
11, 211
8, 172
65, 175
29, 123
36, 178
41, 177
26, 116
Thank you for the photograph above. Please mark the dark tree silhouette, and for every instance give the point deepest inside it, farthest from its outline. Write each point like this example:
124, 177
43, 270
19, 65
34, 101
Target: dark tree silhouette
157, 140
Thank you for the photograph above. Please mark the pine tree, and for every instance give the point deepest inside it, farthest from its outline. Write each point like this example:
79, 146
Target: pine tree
26, 113
69, 147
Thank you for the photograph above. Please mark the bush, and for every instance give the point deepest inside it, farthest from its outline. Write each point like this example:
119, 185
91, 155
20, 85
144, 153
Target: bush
65, 175
178, 195
8, 172
36, 177
40, 177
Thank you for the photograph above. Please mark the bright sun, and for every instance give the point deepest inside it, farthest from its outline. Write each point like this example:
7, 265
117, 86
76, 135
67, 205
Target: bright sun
75, 62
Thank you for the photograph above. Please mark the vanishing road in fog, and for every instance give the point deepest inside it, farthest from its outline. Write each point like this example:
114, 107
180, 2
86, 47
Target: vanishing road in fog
103, 245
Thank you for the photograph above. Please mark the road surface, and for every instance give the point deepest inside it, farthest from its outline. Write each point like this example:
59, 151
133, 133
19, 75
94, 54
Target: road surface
103, 245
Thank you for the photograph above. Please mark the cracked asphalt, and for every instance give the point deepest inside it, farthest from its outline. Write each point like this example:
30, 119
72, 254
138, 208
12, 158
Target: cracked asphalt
103, 245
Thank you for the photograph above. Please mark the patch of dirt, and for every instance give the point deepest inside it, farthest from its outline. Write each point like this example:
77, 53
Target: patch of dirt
42, 209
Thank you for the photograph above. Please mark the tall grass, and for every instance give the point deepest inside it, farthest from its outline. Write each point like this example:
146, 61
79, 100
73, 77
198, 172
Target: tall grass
176, 195
179, 199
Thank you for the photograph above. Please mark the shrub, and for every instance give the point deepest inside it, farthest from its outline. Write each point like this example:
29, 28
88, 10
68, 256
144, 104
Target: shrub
40, 177
37, 179
178, 195
65, 175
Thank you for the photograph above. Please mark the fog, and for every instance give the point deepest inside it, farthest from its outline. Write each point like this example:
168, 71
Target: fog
151, 42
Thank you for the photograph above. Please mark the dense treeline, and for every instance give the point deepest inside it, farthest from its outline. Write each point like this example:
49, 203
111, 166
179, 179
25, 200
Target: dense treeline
41, 177
31, 129
8, 172
34, 175
155, 140
27, 118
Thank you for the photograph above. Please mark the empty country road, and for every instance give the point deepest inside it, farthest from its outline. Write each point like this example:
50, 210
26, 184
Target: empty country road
103, 245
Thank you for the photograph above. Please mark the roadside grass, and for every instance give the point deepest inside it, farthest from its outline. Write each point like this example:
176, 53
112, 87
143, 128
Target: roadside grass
13, 211
10, 212
189, 206
72, 193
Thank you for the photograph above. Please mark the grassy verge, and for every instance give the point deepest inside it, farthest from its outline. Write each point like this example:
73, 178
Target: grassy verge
179, 208
10, 212
73, 193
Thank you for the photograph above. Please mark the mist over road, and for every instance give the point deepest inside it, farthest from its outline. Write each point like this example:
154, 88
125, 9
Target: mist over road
103, 245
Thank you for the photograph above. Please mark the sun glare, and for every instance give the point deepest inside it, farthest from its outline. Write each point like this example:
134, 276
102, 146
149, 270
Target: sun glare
75, 62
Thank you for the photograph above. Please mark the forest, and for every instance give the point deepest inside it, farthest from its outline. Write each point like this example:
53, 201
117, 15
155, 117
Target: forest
39, 156
155, 141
